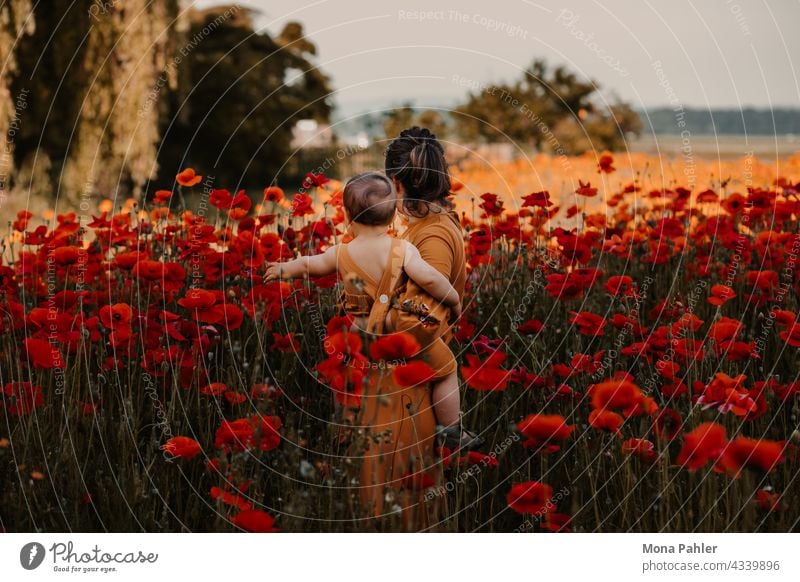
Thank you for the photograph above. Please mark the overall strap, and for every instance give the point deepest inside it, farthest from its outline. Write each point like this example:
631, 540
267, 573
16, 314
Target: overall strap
386, 287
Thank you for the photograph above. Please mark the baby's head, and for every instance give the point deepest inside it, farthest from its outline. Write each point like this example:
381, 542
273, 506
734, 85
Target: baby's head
370, 199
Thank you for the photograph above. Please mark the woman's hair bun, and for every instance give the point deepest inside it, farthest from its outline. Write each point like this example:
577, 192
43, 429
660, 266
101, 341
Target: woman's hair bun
416, 159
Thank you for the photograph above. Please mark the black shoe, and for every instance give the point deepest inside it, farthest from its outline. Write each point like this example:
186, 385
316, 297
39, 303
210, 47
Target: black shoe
454, 437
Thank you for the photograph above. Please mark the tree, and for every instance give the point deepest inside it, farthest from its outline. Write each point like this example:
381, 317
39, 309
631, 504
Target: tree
241, 93
406, 116
545, 109
86, 68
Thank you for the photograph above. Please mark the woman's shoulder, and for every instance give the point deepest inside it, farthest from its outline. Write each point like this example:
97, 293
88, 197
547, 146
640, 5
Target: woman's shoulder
446, 223
436, 232
438, 222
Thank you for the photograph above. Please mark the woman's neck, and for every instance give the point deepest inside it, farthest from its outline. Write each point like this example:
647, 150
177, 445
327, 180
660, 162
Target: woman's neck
433, 208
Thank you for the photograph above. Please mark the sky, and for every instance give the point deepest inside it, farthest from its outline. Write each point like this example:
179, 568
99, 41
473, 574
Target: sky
676, 53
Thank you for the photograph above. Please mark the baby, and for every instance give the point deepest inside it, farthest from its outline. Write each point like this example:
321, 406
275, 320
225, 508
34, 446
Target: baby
369, 207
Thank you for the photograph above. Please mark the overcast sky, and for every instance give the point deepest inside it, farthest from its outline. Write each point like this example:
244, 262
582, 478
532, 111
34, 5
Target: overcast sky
701, 53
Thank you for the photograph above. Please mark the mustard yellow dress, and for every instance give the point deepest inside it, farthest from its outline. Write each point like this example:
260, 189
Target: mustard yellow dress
395, 427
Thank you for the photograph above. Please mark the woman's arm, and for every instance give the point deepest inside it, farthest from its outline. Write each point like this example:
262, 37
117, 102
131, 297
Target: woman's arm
314, 265
424, 275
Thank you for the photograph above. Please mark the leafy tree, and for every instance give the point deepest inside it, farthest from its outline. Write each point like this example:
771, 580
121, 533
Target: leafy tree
406, 115
545, 109
86, 68
240, 94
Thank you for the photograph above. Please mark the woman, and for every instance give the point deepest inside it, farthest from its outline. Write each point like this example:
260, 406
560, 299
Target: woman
416, 163
398, 424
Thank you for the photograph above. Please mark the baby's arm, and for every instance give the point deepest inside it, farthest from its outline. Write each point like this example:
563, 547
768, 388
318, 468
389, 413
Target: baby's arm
429, 278
314, 265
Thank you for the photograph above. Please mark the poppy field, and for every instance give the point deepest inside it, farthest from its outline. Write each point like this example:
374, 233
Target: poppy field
628, 349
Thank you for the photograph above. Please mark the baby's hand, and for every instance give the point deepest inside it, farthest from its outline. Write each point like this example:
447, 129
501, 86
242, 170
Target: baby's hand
274, 271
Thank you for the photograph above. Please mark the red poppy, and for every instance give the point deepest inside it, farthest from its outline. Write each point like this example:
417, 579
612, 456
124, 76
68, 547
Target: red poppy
615, 394
720, 295
345, 379
162, 196
727, 395
606, 420
587, 363
707, 196
769, 500
668, 369
540, 199
302, 205
343, 343
116, 316
530, 327
642, 448
214, 389
208, 308
491, 205
273, 194
619, 285
588, 323
564, 286
788, 391
477, 458
21, 398
21, 223
220, 198
127, 260
724, 330
188, 178
64, 256
314, 180
239, 206
759, 454
792, 335
231, 499
149, 270
345, 368
586, 189
605, 164
703, 444
734, 204
43, 354
339, 324
234, 397
486, 375
254, 521
542, 431
765, 280
182, 447
413, 374
531, 497
783, 318
667, 424
259, 432
556, 522
198, 299
674, 389
395, 346
285, 343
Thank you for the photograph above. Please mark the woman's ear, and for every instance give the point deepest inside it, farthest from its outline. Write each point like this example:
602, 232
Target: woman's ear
398, 187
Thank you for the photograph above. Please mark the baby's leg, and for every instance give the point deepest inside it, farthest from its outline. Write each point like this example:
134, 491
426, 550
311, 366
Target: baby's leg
447, 400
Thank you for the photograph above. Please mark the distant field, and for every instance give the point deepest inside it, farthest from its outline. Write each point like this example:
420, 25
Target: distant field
724, 146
